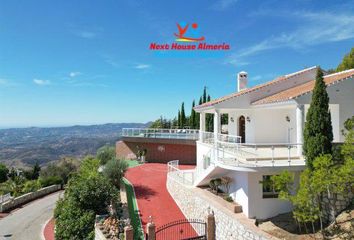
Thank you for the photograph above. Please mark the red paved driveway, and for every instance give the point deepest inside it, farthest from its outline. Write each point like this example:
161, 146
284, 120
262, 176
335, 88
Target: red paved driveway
149, 181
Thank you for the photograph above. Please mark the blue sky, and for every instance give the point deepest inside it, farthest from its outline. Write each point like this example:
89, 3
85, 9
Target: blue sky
84, 62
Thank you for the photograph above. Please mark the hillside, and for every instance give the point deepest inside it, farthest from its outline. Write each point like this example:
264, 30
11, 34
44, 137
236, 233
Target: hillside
24, 146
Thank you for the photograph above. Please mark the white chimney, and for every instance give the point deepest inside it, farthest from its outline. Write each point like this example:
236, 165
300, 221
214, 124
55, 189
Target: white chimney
241, 81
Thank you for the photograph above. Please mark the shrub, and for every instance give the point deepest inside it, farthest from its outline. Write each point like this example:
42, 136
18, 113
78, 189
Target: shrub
114, 170
228, 198
72, 222
31, 186
51, 180
106, 153
225, 182
3, 173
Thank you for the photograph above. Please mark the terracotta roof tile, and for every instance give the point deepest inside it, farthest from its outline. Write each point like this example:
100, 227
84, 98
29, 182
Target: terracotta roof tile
255, 88
305, 88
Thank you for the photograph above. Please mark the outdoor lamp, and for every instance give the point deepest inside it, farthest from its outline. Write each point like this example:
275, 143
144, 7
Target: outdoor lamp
248, 119
287, 118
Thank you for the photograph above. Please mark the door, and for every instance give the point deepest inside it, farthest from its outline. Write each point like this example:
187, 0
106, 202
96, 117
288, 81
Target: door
242, 128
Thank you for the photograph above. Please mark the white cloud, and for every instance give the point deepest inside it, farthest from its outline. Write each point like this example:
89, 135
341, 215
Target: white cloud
142, 66
223, 4
315, 28
3, 82
74, 74
41, 82
85, 34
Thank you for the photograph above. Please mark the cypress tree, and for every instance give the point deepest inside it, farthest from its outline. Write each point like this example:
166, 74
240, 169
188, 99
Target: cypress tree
204, 95
318, 135
193, 122
183, 116
179, 119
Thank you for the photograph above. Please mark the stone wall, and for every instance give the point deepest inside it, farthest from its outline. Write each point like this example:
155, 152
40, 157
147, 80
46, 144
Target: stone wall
195, 205
158, 150
10, 204
335, 204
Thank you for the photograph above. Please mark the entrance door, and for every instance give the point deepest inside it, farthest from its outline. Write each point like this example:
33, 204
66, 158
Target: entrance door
242, 128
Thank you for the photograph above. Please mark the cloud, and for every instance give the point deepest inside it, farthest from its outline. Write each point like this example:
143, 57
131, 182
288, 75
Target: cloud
3, 82
41, 82
74, 74
142, 66
315, 28
222, 5
85, 34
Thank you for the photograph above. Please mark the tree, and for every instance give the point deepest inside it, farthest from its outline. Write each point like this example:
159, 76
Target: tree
183, 116
204, 95
114, 170
35, 171
193, 120
3, 172
347, 62
318, 135
106, 153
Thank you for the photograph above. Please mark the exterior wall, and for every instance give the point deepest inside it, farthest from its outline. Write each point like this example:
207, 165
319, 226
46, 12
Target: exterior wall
342, 95
202, 150
160, 151
246, 190
195, 205
266, 125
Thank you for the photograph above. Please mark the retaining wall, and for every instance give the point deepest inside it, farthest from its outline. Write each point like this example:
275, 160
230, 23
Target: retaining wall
195, 206
10, 204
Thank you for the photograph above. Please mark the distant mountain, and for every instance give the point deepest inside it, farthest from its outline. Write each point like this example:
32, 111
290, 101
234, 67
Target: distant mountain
22, 147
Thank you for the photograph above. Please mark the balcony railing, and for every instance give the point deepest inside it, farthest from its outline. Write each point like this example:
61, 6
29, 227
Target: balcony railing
190, 134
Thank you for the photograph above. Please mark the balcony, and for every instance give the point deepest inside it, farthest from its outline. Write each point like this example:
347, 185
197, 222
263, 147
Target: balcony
187, 134
228, 150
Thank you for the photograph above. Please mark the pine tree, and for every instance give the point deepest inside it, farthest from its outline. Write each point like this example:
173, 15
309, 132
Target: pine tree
347, 62
183, 116
318, 135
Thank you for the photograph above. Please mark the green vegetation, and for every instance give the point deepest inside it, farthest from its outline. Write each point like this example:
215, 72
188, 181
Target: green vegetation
106, 153
114, 170
133, 211
347, 62
183, 121
318, 135
3, 173
328, 174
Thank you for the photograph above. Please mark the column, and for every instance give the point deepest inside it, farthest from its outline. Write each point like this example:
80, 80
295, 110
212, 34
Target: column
299, 127
201, 125
216, 132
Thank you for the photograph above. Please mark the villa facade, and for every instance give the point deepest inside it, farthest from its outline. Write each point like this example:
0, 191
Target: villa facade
264, 135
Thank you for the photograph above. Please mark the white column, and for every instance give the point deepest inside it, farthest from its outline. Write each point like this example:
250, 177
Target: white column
299, 126
216, 132
201, 125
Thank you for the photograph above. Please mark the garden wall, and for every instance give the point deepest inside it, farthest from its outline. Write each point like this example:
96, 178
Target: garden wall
228, 225
158, 150
10, 204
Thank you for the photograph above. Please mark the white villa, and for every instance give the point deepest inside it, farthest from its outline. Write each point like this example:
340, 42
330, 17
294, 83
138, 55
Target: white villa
264, 135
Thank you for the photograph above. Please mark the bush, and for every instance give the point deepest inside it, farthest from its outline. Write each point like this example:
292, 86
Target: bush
3, 173
48, 181
228, 198
72, 222
106, 153
31, 186
114, 170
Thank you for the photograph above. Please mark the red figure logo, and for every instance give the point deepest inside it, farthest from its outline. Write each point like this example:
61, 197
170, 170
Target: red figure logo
193, 33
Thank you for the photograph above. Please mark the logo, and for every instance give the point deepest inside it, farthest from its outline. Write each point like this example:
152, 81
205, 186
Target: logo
188, 36
189, 43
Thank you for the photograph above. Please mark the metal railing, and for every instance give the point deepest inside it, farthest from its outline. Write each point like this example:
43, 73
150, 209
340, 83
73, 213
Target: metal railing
191, 134
4, 198
185, 177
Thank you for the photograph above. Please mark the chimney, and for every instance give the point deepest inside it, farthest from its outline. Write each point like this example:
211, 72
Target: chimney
241, 81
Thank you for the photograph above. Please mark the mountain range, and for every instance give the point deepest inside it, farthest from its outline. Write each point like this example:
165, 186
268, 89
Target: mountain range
23, 147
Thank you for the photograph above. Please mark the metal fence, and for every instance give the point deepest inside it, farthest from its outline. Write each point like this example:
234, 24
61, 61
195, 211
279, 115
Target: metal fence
182, 229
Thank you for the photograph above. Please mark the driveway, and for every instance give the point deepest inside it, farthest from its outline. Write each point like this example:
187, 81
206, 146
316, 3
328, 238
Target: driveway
149, 182
27, 222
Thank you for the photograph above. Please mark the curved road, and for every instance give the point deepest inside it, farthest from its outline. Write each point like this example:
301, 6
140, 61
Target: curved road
26, 223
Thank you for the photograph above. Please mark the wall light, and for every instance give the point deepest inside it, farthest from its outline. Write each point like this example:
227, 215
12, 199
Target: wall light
287, 118
248, 119
232, 119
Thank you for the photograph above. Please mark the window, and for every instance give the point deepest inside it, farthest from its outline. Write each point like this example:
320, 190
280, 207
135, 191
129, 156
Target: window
268, 187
